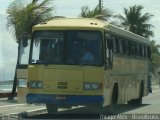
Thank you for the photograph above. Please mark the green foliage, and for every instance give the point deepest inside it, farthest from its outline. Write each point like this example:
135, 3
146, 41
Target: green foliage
155, 57
97, 13
21, 18
137, 22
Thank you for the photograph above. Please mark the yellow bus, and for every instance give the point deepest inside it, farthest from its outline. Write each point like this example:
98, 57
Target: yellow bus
82, 61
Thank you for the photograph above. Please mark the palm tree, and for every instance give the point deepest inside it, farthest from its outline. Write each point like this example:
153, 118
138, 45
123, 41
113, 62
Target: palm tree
137, 22
155, 57
97, 13
20, 20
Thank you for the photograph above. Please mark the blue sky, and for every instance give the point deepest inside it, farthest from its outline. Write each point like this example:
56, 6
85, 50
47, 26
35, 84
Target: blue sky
68, 8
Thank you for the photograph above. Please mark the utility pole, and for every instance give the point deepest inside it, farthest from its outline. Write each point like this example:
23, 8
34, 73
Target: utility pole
34, 1
100, 4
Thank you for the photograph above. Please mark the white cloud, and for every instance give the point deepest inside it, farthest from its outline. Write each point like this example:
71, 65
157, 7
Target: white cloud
1, 56
150, 6
72, 8
8, 50
2, 12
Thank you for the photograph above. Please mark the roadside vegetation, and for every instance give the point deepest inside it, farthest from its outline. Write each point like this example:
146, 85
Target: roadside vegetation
20, 20
132, 20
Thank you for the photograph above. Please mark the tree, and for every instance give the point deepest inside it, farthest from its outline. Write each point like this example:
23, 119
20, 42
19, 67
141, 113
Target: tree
97, 13
155, 59
137, 22
155, 56
20, 20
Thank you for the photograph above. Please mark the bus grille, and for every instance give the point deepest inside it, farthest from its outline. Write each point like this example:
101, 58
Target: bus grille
62, 85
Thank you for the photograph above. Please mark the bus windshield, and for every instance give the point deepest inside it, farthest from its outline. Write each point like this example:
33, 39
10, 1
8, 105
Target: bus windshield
67, 47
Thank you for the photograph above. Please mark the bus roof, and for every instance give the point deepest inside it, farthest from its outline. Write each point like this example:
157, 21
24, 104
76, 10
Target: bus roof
73, 22
87, 23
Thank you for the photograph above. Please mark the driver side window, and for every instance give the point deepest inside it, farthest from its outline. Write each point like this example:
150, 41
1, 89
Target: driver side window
109, 50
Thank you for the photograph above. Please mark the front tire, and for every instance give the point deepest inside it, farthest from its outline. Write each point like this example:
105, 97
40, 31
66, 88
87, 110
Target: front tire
51, 108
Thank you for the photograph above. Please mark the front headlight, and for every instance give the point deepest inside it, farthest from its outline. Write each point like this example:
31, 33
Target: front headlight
39, 85
87, 86
35, 84
91, 86
94, 86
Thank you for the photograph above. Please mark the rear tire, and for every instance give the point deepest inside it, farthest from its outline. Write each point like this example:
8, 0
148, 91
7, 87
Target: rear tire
51, 108
137, 102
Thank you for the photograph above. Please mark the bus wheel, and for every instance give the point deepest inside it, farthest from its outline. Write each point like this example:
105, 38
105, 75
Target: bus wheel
138, 101
51, 108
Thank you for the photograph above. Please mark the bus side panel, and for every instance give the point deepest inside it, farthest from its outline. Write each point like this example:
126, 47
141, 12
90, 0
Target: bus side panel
128, 73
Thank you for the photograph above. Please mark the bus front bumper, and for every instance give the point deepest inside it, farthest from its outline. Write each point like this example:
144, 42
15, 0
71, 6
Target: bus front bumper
64, 99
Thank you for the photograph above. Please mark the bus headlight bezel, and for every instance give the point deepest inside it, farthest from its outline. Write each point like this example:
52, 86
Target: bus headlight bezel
91, 86
35, 84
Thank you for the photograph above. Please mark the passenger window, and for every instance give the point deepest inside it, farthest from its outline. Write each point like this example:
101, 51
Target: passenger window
138, 51
127, 47
134, 48
131, 48
149, 52
145, 51
124, 46
109, 41
117, 45
142, 50
121, 46
114, 44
